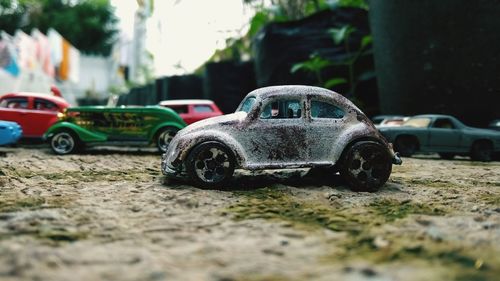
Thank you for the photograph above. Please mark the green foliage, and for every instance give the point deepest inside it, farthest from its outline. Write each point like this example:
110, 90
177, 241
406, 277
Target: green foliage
90, 25
341, 35
334, 82
316, 65
362, 4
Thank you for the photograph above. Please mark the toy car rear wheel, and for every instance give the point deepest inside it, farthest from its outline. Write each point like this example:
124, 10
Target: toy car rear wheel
406, 145
64, 142
366, 166
482, 151
164, 137
210, 164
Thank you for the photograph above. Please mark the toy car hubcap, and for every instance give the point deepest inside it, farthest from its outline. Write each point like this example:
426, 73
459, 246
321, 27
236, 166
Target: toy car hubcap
63, 142
165, 139
211, 165
368, 166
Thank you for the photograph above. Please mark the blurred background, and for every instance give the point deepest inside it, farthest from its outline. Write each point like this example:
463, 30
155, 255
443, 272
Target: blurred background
389, 57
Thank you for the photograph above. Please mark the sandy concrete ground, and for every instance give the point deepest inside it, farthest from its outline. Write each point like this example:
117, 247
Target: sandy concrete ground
110, 215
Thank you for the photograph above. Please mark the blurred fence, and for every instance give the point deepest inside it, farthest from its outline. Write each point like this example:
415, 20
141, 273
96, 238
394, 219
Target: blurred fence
226, 83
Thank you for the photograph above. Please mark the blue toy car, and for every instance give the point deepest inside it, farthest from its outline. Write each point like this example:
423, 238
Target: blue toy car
10, 132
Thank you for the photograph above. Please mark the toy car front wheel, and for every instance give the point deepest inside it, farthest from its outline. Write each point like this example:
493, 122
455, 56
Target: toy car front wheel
482, 151
366, 166
64, 142
164, 137
406, 145
210, 164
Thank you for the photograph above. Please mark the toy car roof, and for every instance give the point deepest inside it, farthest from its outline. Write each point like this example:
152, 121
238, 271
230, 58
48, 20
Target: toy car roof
36, 95
185, 102
293, 90
433, 116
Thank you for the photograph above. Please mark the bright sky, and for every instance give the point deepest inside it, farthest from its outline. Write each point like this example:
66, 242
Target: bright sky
186, 32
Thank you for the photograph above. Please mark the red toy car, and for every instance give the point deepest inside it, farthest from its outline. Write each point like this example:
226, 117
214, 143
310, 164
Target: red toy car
34, 112
193, 110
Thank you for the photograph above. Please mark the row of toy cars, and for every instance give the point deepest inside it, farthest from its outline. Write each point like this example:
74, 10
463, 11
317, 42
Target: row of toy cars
273, 128
442, 134
69, 129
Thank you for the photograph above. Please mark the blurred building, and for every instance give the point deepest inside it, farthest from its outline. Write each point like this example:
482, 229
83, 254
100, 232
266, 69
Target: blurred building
34, 62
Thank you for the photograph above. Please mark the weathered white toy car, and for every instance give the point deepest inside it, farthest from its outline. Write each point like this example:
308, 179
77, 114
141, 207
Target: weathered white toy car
283, 127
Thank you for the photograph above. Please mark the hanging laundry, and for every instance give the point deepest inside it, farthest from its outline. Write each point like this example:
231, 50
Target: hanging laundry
55, 42
43, 55
8, 55
26, 48
74, 66
65, 62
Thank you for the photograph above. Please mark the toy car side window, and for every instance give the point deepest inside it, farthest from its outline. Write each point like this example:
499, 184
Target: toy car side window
247, 105
443, 123
14, 103
281, 109
45, 105
321, 109
201, 108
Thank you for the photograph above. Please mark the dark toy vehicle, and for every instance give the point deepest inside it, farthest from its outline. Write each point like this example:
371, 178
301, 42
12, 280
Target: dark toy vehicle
98, 125
443, 134
284, 127
10, 132
193, 110
34, 112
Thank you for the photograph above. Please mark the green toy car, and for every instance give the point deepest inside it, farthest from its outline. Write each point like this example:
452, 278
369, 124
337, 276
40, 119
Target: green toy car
98, 125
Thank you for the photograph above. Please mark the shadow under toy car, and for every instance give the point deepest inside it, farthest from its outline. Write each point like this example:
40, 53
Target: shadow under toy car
98, 125
284, 127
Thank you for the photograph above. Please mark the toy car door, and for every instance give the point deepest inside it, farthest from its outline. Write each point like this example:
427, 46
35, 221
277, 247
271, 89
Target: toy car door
41, 116
444, 135
277, 135
326, 123
15, 109
126, 124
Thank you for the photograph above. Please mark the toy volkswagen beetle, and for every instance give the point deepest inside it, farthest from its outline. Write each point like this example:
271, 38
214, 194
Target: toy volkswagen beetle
283, 127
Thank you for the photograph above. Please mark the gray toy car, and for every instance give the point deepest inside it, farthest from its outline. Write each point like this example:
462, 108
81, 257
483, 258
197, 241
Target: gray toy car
284, 127
443, 134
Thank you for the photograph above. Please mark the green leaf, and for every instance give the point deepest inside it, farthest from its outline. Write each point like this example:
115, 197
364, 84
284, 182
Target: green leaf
334, 82
366, 40
258, 21
341, 34
314, 64
296, 67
